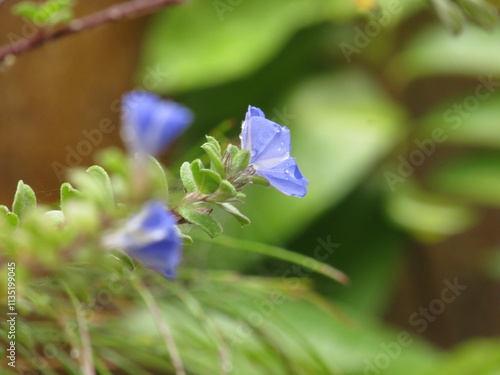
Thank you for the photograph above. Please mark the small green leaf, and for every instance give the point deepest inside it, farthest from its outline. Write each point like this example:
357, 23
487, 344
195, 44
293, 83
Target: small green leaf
240, 161
232, 150
196, 167
186, 239
68, 193
158, 179
229, 208
188, 178
204, 221
214, 156
215, 145
210, 181
101, 177
26, 9
226, 189
10, 218
24, 200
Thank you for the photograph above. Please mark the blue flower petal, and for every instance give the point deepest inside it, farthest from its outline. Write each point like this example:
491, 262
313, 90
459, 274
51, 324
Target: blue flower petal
252, 111
287, 178
150, 124
270, 142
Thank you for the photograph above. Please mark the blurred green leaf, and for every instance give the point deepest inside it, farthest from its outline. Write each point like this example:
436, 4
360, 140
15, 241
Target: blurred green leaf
428, 217
473, 177
465, 123
178, 39
68, 193
157, 179
433, 51
24, 200
103, 182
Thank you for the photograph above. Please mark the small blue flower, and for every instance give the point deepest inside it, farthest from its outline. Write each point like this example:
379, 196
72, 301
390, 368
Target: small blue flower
151, 238
150, 124
269, 146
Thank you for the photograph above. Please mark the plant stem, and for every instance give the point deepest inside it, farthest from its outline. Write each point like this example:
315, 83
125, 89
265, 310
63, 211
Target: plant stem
115, 13
162, 325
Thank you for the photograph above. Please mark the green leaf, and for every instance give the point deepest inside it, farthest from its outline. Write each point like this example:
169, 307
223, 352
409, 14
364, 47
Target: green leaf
450, 15
26, 9
210, 181
24, 200
226, 190
10, 218
474, 177
283, 254
188, 178
158, 179
240, 161
229, 208
204, 221
177, 39
102, 179
68, 193
196, 167
55, 216
215, 158
481, 12
215, 145
428, 217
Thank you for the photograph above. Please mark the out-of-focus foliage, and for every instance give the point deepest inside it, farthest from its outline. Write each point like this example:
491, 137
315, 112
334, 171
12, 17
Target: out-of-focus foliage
336, 73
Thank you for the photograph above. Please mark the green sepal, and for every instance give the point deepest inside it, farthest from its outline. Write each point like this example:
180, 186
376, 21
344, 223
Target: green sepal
258, 180
210, 181
24, 200
204, 221
229, 208
215, 158
158, 179
102, 179
68, 193
26, 9
240, 161
187, 178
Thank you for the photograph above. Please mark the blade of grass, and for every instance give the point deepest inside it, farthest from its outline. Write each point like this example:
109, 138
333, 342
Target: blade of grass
279, 253
162, 325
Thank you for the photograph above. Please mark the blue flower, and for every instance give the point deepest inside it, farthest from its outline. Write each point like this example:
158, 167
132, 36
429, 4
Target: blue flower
269, 146
150, 124
151, 238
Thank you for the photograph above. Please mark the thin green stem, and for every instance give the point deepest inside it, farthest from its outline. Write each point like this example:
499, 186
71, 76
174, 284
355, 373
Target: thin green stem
162, 325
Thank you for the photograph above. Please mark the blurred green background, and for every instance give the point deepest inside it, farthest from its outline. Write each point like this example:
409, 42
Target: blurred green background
394, 113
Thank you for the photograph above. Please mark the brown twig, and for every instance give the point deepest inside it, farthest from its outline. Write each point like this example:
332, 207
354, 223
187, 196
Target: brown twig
115, 13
